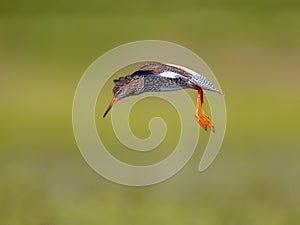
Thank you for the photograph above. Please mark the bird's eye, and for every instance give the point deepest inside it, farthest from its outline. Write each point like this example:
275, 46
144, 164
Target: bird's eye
119, 92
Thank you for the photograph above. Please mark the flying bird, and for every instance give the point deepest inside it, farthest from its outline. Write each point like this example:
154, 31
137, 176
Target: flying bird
160, 77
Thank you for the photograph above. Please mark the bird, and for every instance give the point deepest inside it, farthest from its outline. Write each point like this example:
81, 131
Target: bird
162, 77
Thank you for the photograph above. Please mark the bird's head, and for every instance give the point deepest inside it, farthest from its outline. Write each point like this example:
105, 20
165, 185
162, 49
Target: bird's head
124, 87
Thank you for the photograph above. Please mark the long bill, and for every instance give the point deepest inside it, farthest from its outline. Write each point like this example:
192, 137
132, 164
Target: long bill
113, 101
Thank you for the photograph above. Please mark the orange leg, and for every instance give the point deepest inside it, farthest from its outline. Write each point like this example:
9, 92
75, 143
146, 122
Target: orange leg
202, 118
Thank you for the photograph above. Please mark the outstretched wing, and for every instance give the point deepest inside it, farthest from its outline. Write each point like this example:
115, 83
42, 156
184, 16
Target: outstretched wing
175, 71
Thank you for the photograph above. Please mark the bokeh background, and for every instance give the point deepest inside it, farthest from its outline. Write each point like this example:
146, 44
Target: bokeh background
253, 47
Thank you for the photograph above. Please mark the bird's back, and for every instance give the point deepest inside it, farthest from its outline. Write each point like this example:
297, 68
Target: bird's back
167, 77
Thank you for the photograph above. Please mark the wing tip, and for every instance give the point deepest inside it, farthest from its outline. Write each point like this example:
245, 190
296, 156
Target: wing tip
214, 90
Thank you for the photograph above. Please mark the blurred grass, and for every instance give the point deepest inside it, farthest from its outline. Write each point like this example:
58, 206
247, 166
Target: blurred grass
252, 47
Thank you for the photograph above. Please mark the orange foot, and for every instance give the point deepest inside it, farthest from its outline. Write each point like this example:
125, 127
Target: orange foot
204, 121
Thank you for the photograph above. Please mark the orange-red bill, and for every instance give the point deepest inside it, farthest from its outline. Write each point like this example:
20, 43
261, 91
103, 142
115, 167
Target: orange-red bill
113, 101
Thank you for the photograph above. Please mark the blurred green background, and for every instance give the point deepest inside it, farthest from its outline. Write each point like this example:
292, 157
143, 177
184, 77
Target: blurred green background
253, 47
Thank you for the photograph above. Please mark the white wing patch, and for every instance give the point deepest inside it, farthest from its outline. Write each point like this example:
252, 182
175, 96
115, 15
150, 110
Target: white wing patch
170, 74
185, 69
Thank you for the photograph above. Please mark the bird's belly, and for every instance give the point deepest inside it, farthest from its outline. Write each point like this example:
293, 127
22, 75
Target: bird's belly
160, 84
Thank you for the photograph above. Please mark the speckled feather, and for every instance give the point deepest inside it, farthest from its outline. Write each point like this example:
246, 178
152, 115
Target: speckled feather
167, 77
157, 77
